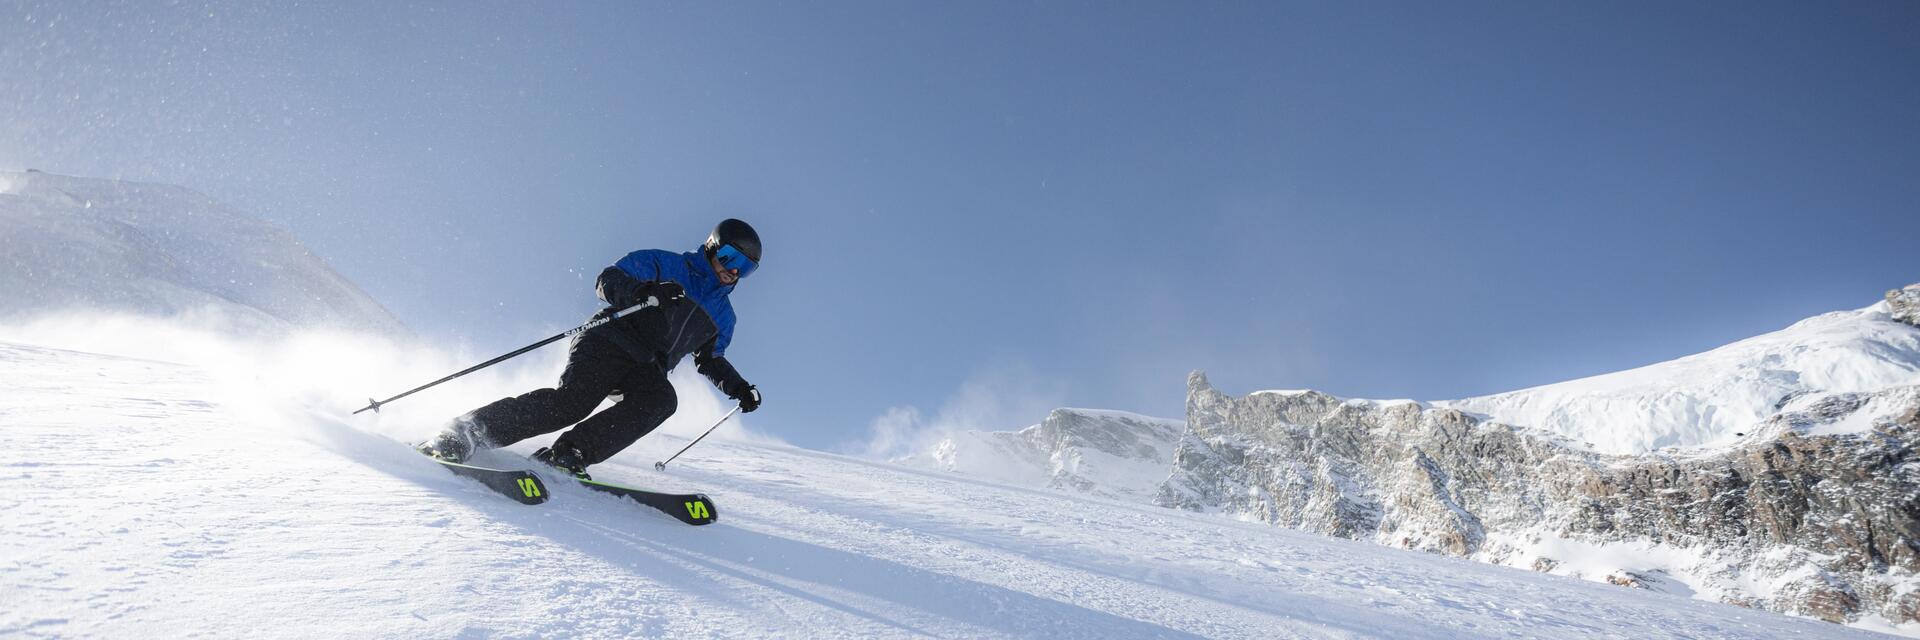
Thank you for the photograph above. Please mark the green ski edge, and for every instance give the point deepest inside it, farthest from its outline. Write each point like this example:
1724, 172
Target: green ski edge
691, 508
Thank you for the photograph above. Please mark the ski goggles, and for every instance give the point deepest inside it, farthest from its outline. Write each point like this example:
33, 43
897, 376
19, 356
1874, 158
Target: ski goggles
731, 259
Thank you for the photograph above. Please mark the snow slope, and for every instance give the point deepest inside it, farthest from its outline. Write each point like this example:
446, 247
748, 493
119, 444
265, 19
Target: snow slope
1707, 399
143, 497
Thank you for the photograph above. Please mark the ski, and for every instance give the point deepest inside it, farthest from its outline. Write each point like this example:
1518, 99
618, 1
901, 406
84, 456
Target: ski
691, 508
526, 488
522, 486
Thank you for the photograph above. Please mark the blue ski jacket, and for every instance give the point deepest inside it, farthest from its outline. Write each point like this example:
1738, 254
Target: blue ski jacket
691, 270
699, 324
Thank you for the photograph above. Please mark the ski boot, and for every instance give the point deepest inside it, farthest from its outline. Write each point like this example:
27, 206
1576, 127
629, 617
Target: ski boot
565, 458
454, 444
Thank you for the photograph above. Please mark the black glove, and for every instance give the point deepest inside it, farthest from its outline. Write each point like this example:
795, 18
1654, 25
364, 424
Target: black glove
749, 399
663, 290
620, 290
723, 375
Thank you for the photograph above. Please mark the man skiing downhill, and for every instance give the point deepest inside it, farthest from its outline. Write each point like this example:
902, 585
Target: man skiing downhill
627, 359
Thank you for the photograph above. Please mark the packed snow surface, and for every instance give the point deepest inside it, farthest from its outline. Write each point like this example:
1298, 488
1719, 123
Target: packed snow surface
145, 497
1708, 399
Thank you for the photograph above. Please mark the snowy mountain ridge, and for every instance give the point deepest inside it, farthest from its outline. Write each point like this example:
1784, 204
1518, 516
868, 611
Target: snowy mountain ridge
1702, 402
89, 244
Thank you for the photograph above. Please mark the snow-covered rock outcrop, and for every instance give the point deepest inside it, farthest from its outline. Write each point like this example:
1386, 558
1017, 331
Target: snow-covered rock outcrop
70, 243
1904, 304
1810, 507
1105, 453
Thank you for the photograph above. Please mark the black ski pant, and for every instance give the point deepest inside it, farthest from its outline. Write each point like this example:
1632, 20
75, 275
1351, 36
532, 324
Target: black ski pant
596, 367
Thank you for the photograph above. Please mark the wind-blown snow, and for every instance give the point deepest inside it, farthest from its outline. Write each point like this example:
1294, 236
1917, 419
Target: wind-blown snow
1709, 398
144, 497
1114, 454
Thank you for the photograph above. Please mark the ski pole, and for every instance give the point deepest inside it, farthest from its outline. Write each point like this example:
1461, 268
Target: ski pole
651, 302
662, 465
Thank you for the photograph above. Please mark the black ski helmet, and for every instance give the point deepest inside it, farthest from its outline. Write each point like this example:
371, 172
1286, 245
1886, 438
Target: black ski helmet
736, 233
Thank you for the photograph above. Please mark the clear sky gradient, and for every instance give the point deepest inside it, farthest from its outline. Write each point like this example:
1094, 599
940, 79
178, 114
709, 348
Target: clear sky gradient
980, 210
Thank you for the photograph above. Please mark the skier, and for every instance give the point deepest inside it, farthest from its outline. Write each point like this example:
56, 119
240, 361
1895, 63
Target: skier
627, 359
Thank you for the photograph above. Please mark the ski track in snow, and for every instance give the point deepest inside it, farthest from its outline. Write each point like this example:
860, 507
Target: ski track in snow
137, 503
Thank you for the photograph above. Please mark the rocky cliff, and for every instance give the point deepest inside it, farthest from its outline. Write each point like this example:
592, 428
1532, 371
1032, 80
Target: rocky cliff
1800, 516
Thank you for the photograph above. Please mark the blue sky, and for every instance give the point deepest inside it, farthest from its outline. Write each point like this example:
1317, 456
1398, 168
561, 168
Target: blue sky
982, 210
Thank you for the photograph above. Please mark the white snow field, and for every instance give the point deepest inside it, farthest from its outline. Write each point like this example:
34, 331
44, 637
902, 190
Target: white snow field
142, 498
1707, 399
